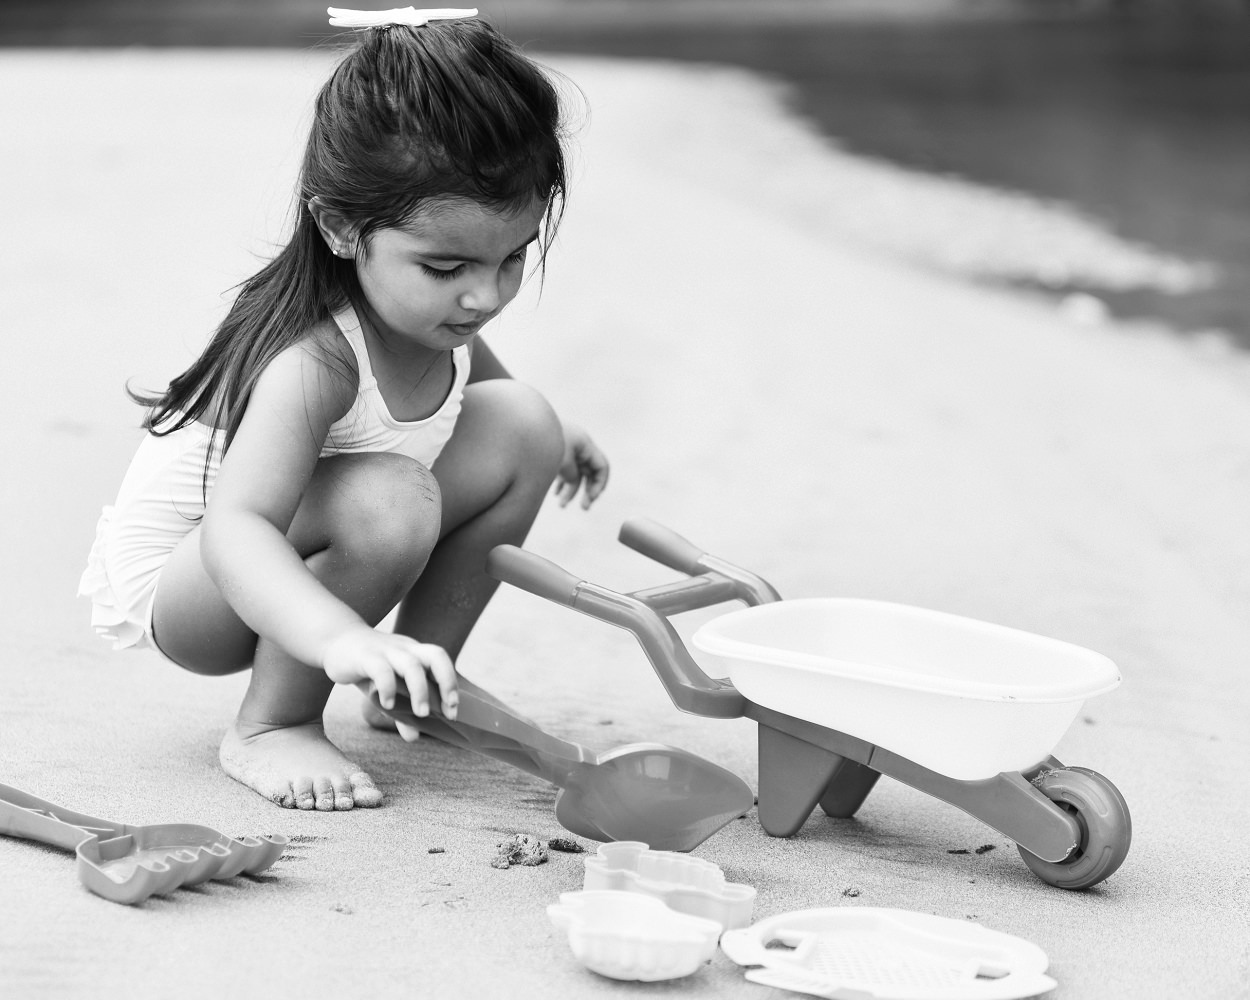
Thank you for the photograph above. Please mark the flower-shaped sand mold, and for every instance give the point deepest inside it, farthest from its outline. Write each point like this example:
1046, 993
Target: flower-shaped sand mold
624, 935
682, 883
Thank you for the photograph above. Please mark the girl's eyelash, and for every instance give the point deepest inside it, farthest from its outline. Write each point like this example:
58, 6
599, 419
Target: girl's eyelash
448, 274
440, 274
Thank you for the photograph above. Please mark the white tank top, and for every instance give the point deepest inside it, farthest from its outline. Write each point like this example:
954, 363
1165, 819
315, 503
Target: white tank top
369, 426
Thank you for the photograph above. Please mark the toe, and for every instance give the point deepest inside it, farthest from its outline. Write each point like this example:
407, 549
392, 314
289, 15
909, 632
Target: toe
323, 790
282, 797
303, 788
279, 793
343, 797
364, 792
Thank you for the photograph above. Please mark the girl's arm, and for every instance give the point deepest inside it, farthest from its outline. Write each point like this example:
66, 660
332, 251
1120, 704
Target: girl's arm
261, 482
259, 486
584, 464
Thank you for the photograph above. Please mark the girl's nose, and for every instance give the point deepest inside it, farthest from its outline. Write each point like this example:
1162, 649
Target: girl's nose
482, 297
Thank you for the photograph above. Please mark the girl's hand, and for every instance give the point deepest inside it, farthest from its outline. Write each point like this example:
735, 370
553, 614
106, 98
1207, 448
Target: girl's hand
584, 465
364, 654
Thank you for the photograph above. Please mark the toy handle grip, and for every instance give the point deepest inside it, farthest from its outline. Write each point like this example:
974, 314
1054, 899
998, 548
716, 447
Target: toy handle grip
23, 815
665, 546
691, 689
743, 946
532, 573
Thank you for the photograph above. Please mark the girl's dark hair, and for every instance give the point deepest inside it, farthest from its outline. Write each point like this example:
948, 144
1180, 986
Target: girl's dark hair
451, 109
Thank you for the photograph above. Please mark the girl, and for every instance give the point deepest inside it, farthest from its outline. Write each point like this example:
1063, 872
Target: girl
346, 442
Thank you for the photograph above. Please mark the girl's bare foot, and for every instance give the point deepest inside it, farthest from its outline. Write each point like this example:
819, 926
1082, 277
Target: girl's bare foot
296, 767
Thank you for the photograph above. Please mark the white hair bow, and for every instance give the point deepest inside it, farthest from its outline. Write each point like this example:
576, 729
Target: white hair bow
341, 18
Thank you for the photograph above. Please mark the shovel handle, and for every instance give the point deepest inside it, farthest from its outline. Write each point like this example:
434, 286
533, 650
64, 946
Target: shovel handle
485, 725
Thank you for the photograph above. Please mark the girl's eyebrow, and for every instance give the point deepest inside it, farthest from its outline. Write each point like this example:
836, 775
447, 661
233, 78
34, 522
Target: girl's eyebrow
447, 257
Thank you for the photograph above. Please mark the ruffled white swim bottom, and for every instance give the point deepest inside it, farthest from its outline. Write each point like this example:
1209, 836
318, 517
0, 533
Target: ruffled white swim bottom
160, 502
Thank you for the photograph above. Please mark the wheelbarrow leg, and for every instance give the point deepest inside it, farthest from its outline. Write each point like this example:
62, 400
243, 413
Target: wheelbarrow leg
847, 789
793, 776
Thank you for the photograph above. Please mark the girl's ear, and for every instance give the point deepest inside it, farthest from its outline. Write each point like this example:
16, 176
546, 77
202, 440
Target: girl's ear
335, 230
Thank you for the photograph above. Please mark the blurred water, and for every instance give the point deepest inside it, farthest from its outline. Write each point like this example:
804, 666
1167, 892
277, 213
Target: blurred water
1143, 124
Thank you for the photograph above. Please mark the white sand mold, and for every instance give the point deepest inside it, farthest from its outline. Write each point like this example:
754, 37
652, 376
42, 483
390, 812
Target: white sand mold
622, 935
681, 882
888, 954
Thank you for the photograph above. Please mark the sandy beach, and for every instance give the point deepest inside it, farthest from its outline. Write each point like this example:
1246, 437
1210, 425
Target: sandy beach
845, 415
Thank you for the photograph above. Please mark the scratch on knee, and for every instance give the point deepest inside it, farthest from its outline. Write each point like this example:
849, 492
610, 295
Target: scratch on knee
459, 596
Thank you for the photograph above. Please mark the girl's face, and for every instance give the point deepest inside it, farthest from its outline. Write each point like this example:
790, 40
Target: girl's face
433, 283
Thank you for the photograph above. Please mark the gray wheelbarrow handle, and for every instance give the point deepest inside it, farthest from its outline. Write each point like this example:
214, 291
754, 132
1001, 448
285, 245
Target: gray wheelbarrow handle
644, 612
665, 546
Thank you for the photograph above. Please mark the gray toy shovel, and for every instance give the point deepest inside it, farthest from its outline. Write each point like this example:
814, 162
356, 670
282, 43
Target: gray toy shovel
668, 798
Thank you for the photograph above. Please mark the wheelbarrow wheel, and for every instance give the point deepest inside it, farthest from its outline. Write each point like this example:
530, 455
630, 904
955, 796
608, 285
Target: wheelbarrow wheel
1106, 829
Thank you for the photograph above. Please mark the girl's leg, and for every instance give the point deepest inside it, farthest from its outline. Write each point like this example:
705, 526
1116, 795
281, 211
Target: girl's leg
365, 527
493, 474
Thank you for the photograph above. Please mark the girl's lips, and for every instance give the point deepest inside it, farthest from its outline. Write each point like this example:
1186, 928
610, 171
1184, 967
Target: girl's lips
464, 329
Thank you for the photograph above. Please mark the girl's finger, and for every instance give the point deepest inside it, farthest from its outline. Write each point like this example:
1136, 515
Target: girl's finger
593, 463
596, 480
410, 733
444, 673
384, 680
408, 664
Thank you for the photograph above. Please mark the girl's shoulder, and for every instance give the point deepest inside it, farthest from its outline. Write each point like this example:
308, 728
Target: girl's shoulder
323, 363
326, 345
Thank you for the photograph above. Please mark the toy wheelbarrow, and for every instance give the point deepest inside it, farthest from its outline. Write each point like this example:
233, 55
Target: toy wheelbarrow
126, 863
846, 690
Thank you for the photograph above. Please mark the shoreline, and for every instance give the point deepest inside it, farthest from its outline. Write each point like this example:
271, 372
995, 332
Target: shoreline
1173, 206
990, 237
952, 225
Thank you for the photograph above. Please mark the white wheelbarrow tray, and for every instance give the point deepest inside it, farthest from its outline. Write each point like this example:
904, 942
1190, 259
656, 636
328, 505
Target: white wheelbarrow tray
962, 697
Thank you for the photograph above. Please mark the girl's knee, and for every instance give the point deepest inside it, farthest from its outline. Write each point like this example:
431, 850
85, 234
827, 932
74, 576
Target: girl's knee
535, 434
383, 506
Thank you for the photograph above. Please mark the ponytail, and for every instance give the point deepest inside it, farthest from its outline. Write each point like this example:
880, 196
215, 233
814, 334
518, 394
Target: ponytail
449, 110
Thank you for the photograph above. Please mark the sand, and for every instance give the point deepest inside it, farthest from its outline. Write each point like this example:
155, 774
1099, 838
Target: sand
839, 415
